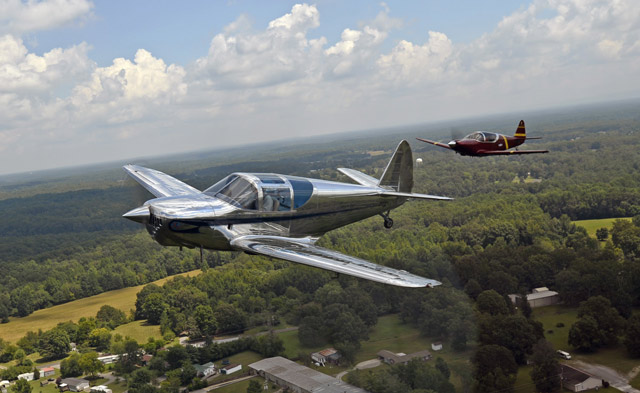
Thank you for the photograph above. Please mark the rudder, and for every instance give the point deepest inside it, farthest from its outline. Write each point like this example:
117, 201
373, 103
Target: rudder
399, 172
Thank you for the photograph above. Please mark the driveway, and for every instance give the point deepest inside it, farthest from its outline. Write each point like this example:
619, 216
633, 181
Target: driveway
616, 379
361, 366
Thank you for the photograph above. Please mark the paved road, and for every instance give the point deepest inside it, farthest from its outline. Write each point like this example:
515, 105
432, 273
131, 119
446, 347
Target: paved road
616, 379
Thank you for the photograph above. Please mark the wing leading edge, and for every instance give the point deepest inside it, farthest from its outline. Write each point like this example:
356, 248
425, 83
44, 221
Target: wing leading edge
304, 252
158, 183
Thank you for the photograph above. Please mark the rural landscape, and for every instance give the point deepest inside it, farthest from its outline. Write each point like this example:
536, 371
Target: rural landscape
92, 295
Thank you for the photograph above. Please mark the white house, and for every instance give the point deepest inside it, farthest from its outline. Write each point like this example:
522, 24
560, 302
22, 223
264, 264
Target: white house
26, 376
578, 380
76, 384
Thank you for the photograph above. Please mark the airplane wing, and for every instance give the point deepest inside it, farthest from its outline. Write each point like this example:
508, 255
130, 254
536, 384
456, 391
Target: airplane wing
305, 252
509, 152
158, 183
435, 143
360, 177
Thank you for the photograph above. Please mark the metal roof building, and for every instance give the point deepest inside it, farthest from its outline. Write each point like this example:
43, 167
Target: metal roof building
298, 378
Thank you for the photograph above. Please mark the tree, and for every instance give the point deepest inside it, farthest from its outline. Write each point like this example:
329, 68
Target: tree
111, 316
100, 339
90, 364
491, 302
270, 345
153, 307
230, 319
205, 320
54, 343
70, 367
609, 323
602, 234
632, 336
545, 367
21, 386
584, 334
254, 387
495, 368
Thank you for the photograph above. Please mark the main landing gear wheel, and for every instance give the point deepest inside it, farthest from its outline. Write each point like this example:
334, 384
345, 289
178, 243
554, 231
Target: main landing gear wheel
388, 222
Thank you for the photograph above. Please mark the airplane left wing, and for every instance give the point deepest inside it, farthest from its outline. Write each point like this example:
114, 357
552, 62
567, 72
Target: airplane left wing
510, 152
305, 252
158, 183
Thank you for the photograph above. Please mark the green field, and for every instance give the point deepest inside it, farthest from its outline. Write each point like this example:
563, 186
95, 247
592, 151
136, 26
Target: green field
139, 331
615, 357
123, 299
593, 225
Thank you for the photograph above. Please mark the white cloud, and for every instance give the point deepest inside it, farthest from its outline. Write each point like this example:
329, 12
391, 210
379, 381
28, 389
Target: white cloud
22, 72
17, 16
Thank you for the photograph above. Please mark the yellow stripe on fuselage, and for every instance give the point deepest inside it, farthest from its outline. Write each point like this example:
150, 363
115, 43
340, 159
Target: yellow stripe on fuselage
506, 144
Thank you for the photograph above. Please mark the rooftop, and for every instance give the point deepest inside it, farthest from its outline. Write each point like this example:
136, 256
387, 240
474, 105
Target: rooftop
303, 377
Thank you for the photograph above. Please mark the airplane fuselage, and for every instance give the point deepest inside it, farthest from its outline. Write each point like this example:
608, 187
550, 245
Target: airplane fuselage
208, 221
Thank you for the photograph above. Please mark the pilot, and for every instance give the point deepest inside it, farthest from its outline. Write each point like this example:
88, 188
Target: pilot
270, 203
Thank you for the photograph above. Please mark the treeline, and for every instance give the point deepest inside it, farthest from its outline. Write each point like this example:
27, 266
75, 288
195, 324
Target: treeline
126, 260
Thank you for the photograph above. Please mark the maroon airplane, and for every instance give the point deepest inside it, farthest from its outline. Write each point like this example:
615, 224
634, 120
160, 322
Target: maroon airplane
481, 143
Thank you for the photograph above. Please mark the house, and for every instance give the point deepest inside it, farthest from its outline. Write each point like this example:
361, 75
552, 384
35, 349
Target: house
26, 376
436, 346
401, 358
578, 380
205, 370
232, 368
75, 384
329, 355
47, 371
146, 359
539, 297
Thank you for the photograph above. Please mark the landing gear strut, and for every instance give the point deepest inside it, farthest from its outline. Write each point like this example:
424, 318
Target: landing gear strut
388, 222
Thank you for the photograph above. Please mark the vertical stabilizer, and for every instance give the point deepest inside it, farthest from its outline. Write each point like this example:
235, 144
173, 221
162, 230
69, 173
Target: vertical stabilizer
520, 131
398, 175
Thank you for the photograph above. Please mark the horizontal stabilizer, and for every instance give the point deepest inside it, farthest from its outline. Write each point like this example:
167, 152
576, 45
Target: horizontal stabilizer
158, 183
359, 177
305, 252
416, 196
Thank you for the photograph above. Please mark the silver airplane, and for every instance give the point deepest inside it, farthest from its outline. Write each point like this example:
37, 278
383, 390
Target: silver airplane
279, 216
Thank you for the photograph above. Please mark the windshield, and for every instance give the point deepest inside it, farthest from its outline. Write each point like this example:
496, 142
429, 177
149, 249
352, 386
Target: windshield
236, 190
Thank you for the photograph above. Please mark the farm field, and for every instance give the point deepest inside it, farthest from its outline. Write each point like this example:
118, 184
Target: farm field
123, 299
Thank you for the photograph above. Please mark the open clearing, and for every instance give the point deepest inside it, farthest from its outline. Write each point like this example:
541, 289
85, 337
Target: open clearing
593, 225
123, 299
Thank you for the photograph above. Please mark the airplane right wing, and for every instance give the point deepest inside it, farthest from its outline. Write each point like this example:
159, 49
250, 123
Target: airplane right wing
435, 143
158, 183
305, 252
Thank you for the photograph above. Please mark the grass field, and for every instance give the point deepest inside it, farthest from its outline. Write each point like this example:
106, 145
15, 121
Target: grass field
615, 357
593, 225
242, 387
139, 330
123, 299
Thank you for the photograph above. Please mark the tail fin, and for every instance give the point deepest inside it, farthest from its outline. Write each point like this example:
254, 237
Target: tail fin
399, 172
521, 132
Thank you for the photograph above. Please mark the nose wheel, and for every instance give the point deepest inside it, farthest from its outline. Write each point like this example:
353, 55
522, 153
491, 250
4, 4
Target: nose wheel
388, 222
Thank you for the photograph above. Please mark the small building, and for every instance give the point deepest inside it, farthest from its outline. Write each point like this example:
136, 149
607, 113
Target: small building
539, 297
329, 355
230, 369
75, 384
401, 358
145, 359
436, 346
578, 380
26, 376
298, 378
47, 371
205, 370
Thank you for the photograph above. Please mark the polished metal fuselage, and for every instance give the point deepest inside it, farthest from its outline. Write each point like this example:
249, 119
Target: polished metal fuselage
205, 221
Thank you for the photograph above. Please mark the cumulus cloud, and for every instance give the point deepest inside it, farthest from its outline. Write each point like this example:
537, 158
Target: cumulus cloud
22, 72
17, 16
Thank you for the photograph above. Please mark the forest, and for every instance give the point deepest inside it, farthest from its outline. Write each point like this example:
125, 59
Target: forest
509, 230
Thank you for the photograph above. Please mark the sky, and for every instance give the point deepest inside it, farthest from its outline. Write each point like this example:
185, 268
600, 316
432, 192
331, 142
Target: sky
85, 82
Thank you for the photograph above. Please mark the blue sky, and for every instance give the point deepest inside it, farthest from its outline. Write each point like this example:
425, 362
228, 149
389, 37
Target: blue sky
84, 81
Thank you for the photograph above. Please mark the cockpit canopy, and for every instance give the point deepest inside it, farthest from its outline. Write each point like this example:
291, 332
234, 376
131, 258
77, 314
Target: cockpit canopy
482, 136
262, 191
